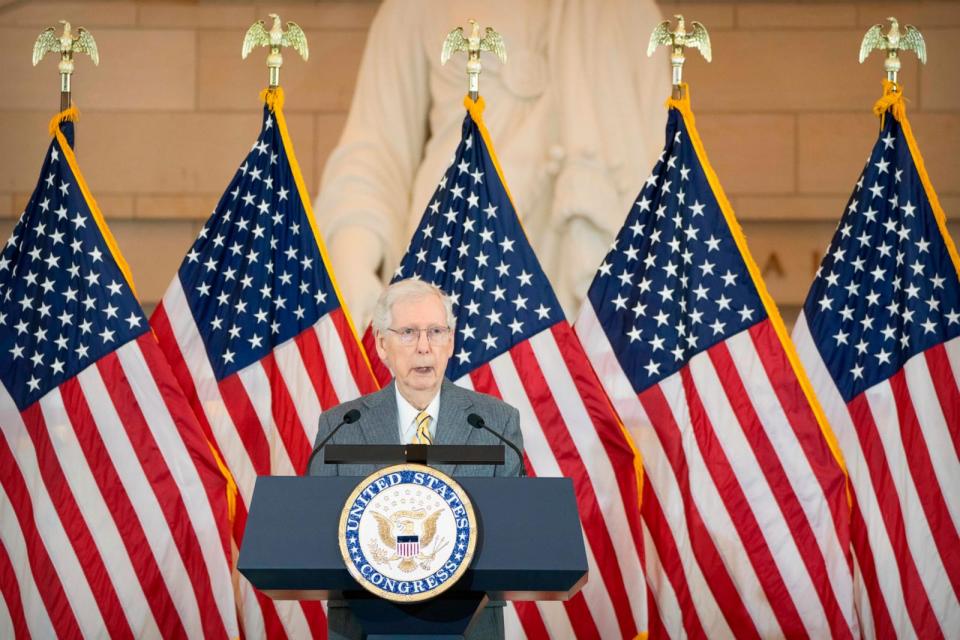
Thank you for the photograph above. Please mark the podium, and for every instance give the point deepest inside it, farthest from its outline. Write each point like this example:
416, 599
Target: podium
530, 547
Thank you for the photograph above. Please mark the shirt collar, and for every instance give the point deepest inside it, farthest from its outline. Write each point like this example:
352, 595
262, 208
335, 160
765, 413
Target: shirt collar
407, 415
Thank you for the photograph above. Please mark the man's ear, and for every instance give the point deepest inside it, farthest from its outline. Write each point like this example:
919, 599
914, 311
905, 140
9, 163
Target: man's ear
378, 339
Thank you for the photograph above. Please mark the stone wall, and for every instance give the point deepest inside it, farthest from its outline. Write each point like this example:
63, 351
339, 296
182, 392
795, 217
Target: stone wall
784, 110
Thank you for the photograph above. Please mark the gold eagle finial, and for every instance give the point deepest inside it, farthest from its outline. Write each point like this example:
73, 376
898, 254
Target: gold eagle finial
66, 45
678, 40
275, 38
473, 45
910, 39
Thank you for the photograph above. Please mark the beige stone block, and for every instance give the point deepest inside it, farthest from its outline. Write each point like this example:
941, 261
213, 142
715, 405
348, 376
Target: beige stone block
6, 206
788, 254
22, 84
789, 313
322, 15
939, 88
194, 16
792, 15
176, 207
20, 201
713, 15
778, 70
139, 69
26, 139
832, 149
951, 206
303, 137
953, 228
113, 206
938, 138
751, 153
175, 153
154, 251
6, 228
324, 83
923, 14
163, 152
789, 208
328, 128
40, 13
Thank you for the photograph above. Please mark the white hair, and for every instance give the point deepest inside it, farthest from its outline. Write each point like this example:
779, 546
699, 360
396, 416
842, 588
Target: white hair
408, 289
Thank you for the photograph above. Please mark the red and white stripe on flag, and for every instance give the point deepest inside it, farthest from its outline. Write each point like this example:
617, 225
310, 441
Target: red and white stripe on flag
739, 511
901, 441
111, 508
276, 348
263, 421
570, 430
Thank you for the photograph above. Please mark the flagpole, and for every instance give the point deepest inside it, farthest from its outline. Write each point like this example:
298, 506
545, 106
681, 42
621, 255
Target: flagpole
67, 44
473, 45
275, 38
678, 40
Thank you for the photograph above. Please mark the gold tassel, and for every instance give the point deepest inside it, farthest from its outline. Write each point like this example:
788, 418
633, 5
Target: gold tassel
893, 100
70, 115
273, 97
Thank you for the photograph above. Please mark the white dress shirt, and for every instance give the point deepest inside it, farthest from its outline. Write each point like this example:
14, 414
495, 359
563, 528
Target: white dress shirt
407, 417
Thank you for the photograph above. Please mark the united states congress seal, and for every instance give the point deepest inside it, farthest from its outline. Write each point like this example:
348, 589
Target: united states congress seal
407, 532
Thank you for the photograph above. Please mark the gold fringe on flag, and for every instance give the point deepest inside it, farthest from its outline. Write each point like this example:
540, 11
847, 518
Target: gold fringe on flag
70, 115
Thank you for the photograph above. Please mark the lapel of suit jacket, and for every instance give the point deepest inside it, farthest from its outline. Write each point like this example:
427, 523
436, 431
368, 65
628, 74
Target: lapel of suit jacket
452, 427
380, 425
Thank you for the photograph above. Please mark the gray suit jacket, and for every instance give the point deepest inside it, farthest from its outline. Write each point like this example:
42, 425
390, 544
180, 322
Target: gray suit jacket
378, 424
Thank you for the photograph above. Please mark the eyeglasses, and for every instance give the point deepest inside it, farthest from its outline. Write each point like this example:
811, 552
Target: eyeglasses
436, 336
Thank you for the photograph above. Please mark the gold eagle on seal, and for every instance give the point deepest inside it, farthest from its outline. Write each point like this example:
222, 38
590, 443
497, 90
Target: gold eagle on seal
404, 523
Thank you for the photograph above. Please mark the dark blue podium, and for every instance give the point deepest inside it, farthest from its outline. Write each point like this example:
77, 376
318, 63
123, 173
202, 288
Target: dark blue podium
530, 547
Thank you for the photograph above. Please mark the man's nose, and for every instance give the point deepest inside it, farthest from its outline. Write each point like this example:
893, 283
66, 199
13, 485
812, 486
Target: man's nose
423, 343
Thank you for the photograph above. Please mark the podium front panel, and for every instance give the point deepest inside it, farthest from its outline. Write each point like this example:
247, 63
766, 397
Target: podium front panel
530, 545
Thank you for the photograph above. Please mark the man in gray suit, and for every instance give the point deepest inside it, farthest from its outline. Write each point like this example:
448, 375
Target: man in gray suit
413, 325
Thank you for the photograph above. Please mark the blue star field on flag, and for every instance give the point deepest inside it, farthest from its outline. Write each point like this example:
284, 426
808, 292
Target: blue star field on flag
64, 302
255, 278
886, 290
674, 282
470, 244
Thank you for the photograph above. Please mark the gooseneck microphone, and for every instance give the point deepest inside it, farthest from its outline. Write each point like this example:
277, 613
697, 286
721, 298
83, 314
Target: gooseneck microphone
477, 422
348, 418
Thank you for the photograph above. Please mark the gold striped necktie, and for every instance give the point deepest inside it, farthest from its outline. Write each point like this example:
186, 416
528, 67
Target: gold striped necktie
423, 429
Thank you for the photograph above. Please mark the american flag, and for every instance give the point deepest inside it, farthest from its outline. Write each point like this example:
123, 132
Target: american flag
113, 510
256, 334
744, 504
513, 342
879, 335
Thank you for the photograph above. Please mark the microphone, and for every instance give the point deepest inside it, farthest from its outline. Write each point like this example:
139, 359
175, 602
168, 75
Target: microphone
348, 418
477, 422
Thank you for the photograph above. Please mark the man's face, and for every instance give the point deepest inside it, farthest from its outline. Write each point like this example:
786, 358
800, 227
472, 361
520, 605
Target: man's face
418, 368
